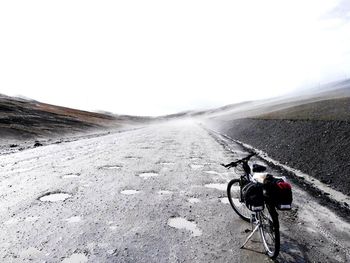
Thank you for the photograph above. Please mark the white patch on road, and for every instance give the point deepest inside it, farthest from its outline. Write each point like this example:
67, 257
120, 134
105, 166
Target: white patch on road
55, 197
224, 200
212, 172
90, 246
193, 200
221, 187
148, 175
182, 223
76, 258
73, 219
111, 251
164, 192
129, 192
11, 221
32, 218
22, 170
166, 163
196, 166
68, 176
111, 167
30, 253
309, 229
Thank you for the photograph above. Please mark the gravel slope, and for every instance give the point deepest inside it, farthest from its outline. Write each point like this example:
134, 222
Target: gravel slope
318, 148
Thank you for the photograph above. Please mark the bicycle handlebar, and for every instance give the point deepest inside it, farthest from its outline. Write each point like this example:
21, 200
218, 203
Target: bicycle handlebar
235, 163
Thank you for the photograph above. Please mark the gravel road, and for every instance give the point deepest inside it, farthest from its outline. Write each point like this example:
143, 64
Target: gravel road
155, 194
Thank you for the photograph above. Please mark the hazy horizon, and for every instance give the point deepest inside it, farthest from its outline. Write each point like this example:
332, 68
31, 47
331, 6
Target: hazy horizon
155, 58
296, 92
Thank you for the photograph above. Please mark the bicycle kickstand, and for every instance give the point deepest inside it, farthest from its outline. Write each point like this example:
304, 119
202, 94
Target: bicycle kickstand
250, 236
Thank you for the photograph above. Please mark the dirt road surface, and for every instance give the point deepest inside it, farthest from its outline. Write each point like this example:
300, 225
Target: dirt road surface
155, 194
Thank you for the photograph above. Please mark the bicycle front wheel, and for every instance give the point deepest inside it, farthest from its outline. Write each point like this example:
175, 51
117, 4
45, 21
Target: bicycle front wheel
234, 194
269, 231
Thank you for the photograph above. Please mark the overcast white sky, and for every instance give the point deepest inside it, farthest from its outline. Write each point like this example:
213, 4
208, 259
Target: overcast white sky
156, 57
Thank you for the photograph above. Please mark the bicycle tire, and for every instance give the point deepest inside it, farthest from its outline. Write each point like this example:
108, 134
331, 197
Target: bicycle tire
234, 197
269, 229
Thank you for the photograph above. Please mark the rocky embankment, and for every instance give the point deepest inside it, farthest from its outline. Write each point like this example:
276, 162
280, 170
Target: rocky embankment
317, 147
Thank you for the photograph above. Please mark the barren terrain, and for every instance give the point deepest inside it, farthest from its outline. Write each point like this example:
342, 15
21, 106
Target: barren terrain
109, 188
156, 194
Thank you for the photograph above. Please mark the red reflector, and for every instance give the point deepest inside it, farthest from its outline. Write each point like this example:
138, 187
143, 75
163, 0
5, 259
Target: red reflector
284, 185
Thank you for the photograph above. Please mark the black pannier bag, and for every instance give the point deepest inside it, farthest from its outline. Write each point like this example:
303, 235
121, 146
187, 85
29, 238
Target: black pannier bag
278, 192
253, 196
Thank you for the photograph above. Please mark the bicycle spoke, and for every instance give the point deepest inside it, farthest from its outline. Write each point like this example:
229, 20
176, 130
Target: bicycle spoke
270, 233
234, 196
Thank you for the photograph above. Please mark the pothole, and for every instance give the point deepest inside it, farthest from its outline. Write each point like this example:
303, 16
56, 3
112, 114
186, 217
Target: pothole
76, 258
182, 223
193, 200
54, 197
129, 192
111, 167
148, 175
196, 166
224, 200
164, 192
222, 187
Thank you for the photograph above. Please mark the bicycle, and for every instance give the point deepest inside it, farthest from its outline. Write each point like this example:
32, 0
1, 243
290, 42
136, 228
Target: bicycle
265, 221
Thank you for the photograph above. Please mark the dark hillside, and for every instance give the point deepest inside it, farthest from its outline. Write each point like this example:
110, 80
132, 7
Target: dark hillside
332, 109
316, 147
22, 119
310, 131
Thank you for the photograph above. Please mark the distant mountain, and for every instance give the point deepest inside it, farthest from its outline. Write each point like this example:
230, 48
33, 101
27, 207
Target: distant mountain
333, 89
327, 101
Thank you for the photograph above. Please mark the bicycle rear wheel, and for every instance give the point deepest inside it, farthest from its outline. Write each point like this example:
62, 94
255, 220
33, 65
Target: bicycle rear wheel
269, 231
234, 194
